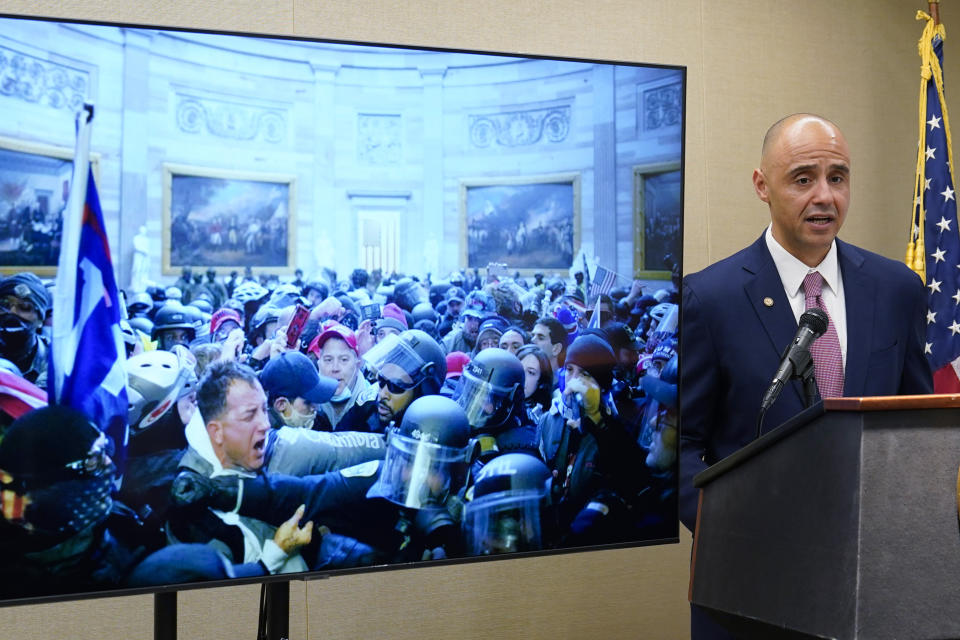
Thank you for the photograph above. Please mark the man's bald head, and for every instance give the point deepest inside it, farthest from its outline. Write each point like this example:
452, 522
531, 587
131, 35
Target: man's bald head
777, 128
804, 177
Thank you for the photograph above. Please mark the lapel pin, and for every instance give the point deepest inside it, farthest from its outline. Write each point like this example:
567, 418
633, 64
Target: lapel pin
768, 302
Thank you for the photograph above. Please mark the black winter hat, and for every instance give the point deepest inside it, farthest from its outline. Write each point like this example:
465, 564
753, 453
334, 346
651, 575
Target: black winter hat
29, 287
595, 355
41, 443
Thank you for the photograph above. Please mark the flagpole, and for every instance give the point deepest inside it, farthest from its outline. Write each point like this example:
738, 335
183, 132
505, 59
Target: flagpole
934, 11
66, 281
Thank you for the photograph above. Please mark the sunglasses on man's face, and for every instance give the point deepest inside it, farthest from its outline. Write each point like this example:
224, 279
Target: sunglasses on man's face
394, 387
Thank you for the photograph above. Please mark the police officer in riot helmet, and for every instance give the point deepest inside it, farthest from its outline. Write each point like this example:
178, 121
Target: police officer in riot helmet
173, 325
24, 302
408, 293
408, 365
425, 469
511, 508
491, 394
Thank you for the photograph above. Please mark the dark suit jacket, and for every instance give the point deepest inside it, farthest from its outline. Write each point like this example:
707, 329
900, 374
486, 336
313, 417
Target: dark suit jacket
731, 343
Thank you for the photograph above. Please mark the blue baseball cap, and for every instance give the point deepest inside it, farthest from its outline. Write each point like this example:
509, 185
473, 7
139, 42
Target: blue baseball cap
293, 375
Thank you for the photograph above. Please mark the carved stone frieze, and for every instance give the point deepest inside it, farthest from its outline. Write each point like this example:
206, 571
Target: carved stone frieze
231, 120
42, 82
379, 138
520, 128
662, 107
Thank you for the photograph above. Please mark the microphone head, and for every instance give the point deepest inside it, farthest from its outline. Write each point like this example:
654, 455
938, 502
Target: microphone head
814, 319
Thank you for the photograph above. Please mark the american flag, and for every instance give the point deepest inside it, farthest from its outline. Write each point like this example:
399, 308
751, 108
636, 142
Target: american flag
87, 354
603, 281
18, 395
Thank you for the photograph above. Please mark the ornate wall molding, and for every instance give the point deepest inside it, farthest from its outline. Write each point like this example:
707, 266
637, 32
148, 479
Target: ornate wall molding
39, 81
520, 128
230, 119
660, 107
379, 138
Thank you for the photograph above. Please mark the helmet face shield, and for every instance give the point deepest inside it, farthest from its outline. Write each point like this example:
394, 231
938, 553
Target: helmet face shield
391, 350
419, 474
486, 404
504, 522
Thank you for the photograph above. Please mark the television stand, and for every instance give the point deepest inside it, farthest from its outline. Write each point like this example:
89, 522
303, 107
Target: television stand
274, 621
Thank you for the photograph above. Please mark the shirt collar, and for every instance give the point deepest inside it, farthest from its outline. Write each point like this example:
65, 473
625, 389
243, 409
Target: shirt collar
792, 271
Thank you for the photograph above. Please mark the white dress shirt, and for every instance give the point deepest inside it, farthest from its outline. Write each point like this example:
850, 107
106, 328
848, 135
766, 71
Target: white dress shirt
792, 272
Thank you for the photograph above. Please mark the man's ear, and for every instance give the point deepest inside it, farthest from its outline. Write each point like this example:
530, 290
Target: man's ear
215, 431
760, 185
280, 404
556, 347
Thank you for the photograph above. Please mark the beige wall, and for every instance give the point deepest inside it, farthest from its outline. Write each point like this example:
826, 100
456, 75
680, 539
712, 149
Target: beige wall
748, 63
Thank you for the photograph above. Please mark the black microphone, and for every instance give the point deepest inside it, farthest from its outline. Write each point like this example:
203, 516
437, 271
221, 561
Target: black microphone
813, 324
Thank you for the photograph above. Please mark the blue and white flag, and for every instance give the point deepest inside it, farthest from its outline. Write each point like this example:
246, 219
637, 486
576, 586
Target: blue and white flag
87, 356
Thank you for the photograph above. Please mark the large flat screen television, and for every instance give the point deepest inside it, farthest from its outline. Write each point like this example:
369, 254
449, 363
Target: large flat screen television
486, 248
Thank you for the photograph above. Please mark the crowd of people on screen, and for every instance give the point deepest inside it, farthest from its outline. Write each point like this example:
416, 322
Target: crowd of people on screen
326, 424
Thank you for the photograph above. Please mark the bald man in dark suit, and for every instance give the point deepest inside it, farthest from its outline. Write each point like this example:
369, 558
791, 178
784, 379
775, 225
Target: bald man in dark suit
740, 313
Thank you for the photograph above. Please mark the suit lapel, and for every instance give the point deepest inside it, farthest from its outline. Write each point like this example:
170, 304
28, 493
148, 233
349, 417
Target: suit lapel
763, 284
859, 294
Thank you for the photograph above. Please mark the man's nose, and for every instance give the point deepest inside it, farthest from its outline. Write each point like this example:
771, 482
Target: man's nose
823, 192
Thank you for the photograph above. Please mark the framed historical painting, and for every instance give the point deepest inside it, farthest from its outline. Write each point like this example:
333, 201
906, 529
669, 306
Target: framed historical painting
34, 187
528, 224
657, 210
227, 220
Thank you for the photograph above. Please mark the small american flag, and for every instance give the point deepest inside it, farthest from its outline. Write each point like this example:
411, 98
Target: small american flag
604, 280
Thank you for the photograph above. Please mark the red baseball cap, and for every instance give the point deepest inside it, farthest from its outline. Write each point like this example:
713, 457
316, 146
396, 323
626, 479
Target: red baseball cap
456, 361
334, 331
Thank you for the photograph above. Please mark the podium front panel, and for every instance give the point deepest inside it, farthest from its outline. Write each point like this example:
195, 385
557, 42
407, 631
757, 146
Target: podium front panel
844, 528
777, 535
909, 536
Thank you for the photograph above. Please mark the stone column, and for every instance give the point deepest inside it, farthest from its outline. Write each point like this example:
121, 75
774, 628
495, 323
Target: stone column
134, 169
604, 167
431, 237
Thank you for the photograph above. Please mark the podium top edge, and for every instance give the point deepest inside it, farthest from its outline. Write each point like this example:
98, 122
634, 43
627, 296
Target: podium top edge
893, 403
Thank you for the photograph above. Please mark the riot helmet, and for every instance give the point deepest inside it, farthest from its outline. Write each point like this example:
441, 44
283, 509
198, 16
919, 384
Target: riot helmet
438, 293
172, 325
260, 323
423, 311
510, 499
491, 390
284, 295
140, 303
427, 456
408, 293
142, 324
201, 303
410, 359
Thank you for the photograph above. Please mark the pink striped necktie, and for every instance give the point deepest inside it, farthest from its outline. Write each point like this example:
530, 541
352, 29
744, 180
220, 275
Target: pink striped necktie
825, 350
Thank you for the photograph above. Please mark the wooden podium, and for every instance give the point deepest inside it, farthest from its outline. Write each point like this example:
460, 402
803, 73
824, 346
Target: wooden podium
841, 523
